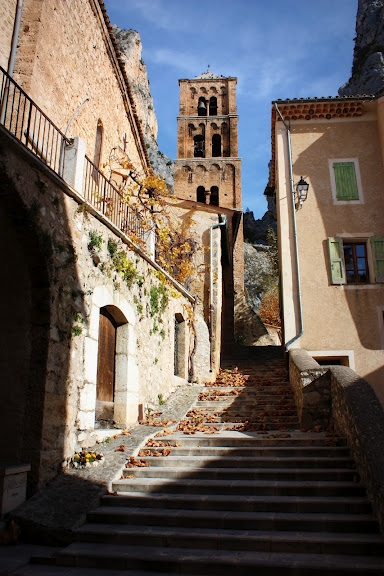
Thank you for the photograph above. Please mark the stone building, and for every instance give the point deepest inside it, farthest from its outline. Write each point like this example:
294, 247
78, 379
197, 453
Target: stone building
92, 329
208, 173
332, 244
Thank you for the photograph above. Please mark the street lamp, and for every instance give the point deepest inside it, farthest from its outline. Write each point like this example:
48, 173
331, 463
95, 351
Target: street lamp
301, 192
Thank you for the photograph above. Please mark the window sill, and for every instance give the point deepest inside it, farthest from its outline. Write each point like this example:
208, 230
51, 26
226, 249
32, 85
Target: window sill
375, 286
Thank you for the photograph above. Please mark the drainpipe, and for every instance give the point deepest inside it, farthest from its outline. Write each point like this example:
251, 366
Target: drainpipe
223, 222
288, 344
15, 37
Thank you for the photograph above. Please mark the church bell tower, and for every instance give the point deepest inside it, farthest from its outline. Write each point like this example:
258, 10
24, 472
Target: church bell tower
208, 175
207, 168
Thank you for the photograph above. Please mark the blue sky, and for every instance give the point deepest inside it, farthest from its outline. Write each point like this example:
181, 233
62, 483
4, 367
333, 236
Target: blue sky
276, 49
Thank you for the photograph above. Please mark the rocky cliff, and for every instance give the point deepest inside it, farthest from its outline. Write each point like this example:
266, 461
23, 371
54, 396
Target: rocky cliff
129, 43
368, 57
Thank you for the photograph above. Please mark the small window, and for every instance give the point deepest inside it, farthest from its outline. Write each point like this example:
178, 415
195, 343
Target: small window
216, 145
345, 181
214, 200
356, 262
199, 146
213, 106
200, 194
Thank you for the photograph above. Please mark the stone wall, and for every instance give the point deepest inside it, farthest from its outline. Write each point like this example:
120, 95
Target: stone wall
312, 389
81, 280
65, 56
8, 11
337, 395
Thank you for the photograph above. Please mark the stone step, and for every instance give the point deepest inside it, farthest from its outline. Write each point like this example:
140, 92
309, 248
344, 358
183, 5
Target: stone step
220, 539
323, 452
234, 520
234, 474
233, 401
241, 462
307, 504
238, 487
219, 563
234, 439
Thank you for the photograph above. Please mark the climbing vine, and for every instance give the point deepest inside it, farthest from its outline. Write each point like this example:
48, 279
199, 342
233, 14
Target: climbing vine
150, 201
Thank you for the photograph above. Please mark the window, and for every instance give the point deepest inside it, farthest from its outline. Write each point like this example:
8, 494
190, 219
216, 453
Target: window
216, 145
356, 262
202, 107
345, 181
200, 194
213, 106
199, 146
349, 260
214, 200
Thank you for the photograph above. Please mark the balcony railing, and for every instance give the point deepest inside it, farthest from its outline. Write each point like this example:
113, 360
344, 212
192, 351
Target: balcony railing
99, 192
34, 130
29, 125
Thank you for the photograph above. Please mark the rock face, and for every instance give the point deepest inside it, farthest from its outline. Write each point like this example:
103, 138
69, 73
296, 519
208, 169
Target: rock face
368, 58
255, 231
257, 271
129, 43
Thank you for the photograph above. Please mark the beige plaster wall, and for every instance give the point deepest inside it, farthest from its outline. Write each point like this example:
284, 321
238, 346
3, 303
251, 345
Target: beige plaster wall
64, 57
8, 11
334, 317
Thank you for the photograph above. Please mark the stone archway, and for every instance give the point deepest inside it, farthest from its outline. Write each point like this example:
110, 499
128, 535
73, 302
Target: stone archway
123, 405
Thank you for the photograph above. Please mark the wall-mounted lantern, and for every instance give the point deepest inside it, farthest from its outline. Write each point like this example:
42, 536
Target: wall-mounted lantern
301, 192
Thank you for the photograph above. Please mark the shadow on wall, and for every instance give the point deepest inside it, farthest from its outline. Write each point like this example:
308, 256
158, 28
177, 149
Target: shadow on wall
339, 219
34, 369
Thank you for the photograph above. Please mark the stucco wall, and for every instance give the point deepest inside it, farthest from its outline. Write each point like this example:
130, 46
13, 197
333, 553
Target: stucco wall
335, 318
65, 56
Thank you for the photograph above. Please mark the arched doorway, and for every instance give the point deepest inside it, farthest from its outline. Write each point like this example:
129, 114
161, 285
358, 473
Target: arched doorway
111, 329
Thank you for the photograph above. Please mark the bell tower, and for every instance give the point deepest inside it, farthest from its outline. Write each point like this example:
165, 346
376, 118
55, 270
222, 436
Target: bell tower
207, 174
207, 169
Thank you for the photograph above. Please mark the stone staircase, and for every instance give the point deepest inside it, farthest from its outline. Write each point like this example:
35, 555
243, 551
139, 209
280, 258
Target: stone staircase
243, 492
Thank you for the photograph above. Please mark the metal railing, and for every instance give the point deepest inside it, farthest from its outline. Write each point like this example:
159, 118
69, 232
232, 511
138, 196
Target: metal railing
32, 128
108, 200
29, 125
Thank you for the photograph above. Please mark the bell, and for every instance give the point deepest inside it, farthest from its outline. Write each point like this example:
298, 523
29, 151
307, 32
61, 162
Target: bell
201, 105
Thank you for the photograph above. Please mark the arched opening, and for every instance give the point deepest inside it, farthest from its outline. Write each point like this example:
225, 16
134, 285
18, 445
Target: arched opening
191, 129
199, 146
110, 321
202, 107
213, 106
180, 346
24, 336
214, 196
200, 194
216, 145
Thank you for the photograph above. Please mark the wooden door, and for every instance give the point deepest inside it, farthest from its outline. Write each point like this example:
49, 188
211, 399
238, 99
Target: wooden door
106, 357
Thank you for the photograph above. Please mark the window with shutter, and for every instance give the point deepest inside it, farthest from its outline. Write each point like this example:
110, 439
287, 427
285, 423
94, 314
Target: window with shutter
346, 183
335, 248
377, 243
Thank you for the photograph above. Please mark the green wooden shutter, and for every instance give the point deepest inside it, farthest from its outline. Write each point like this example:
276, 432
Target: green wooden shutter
346, 183
336, 258
377, 243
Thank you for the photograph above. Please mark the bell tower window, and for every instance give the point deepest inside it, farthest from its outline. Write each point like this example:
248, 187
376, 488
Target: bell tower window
216, 145
199, 146
202, 107
214, 196
213, 106
200, 194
